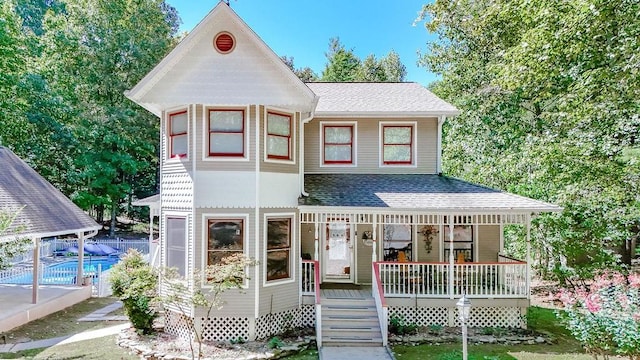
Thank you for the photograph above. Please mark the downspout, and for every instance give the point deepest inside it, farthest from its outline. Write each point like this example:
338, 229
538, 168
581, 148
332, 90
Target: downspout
303, 122
441, 120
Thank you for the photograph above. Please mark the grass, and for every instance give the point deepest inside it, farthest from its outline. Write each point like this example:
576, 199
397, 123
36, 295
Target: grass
61, 323
104, 348
541, 320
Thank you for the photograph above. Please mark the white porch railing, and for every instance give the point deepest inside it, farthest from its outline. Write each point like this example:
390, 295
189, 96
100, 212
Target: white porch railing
503, 279
311, 286
381, 304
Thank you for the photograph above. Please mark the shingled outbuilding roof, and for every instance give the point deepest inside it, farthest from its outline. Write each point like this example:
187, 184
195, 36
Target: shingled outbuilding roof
42, 210
412, 192
402, 98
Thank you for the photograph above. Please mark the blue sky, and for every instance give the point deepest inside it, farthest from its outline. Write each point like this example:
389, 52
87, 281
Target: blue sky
302, 28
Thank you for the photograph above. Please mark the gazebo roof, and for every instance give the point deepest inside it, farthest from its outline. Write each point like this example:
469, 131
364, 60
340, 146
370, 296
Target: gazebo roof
41, 210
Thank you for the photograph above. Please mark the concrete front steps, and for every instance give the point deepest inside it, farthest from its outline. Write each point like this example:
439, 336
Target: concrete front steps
350, 322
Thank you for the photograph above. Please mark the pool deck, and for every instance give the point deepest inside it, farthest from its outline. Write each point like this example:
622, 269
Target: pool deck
16, 308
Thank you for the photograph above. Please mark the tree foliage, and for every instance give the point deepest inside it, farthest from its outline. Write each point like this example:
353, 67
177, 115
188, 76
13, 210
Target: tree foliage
13, 247
64, 67
550, 100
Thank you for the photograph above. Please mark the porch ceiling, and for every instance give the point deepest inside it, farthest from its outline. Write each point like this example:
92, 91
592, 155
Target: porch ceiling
429, 193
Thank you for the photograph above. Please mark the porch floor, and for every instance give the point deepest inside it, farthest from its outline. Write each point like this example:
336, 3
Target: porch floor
345, 292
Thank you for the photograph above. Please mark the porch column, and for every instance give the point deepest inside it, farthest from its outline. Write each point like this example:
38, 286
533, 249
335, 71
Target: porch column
316, 244
451, 263
36, 270
374, 236
79, 274
528, 221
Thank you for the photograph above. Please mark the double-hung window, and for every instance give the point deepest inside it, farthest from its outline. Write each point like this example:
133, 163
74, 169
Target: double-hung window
178, 134
226, 133
337, 144
225, 237
278, 248
279, 130
176, 243
397, 144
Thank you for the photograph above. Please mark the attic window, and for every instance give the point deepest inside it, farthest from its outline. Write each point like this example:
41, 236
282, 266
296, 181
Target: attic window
224, 42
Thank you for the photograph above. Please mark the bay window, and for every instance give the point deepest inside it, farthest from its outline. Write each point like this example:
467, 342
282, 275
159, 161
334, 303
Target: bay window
278, 262
226, 133
178, 134
279, 129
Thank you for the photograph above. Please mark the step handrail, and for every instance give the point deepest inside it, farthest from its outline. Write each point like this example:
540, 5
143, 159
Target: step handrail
381, 303
316, 278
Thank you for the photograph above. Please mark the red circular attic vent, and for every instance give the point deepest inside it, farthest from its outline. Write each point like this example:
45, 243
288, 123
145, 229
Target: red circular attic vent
224, 42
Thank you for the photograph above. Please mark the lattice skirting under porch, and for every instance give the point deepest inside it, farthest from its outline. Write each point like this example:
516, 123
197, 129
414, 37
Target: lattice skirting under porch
507, 317
273, 324
234, 328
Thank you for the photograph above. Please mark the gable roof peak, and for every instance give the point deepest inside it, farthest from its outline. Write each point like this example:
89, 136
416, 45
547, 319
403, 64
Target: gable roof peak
194, 72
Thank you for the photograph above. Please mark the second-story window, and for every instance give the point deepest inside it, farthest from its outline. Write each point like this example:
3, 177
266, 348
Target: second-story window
279, 131
338, 144
397, 144
178, 134
226, 133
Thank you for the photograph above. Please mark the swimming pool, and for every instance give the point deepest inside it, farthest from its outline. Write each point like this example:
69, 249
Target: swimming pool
63, 273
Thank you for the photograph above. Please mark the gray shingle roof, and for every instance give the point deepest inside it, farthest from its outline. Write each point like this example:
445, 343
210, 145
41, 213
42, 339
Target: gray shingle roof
408, 97
413, 191
45, 210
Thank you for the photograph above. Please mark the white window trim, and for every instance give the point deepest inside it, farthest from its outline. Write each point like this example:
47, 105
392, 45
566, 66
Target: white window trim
167, 136
292, 251
414, 144
354, 145
205, 238
205, 133
293, 135
164, 243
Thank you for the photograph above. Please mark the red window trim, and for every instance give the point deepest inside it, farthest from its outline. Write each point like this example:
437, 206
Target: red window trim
280, 157
226, 132
325, 143
172, 135
287, 248
410, 143
238, 220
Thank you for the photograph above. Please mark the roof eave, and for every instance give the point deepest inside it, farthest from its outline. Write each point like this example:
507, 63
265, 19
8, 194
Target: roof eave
384, 114
40, 235
442, 211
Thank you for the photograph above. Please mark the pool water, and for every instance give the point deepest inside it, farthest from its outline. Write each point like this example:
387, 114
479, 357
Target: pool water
64, 273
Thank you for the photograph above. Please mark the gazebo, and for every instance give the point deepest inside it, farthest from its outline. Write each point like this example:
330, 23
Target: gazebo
40, 210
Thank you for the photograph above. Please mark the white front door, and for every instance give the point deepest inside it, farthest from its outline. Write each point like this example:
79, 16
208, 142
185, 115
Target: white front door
338, 256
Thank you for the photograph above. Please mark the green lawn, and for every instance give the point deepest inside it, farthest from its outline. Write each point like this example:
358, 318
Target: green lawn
104, 348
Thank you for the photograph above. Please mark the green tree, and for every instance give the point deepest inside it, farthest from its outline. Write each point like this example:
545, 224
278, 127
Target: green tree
371, 70
342, 64
12, 247
549, 93
92, 53
394, 69
305, 74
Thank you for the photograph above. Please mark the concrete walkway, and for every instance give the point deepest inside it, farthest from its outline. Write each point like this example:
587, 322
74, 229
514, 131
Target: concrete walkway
98, 315
354, 353
101, 314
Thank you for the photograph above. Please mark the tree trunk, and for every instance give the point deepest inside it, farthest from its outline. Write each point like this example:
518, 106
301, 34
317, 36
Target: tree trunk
112, 228
100, 214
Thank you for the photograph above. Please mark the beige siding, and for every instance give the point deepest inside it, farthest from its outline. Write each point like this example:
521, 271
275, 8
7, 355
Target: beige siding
488, 242
236, 302
367, 152
270, 166
281, 295
201, 140
434, 254
363, 256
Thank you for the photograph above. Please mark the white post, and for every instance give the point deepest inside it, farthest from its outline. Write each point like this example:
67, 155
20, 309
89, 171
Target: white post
316, 244
79, 274
36, 270
528, 256
374, 237
451, 263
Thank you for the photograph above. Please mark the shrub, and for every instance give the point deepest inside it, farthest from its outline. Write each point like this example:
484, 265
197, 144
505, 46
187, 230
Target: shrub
134, 281
399, 326
605, 317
